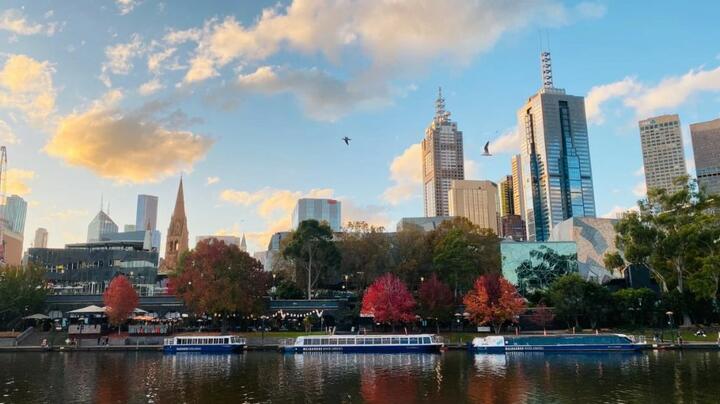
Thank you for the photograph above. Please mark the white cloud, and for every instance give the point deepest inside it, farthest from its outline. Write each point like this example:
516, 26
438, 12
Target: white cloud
17, 181
472, 170
125, 146
406, 174
212, 180
14, 21
590, 9
155, 60
150, 87
640, 189
640, 172
26, 85
603, 93
7, 136
126, 6
119, 58
648, 100
507, 143
618, 211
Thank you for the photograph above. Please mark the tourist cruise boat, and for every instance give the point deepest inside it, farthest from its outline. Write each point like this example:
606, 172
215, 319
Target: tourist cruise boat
420, 343
204, 344
556, 343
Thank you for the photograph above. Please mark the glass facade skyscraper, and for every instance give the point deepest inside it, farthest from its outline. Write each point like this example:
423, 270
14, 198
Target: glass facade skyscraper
15, 212
322, 210
146, 216
442, 153
101, 225
555, 158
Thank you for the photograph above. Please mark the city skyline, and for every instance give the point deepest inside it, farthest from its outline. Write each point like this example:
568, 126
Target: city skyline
240, 179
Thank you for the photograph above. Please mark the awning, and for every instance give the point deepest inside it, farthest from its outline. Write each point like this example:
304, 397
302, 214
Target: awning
37, 317
89, 310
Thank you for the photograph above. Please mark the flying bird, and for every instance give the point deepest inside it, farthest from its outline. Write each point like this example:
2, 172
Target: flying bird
487, 149
346, 140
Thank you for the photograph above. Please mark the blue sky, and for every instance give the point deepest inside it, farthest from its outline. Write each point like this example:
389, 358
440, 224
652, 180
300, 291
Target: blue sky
249, 100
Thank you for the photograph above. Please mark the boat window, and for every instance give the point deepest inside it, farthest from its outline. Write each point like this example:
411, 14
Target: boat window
403, 340
426, 340
386, 340
395, 340
342, 341
324, 341
307, 342
332, 341
376, 341
413, 340
361, 341
351, 341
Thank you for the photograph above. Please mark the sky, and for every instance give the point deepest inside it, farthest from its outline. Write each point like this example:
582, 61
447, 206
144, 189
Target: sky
248, 101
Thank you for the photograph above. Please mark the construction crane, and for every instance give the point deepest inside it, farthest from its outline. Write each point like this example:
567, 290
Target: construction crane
3, 188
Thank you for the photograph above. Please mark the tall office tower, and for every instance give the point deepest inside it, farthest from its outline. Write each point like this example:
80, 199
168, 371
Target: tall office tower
102, 224
177, 235
505, 187
518, 206
442, 153
475, 200
41, 238
146, 216
15, 212
706, 147
322, 210
556, 175
663, 153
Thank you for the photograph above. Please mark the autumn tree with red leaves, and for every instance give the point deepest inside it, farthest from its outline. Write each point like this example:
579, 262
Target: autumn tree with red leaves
493, 300
216, 278
436, 300
389, 301
120, 300
542, 316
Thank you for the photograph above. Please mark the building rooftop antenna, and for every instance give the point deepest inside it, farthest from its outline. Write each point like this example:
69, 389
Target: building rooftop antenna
546, 67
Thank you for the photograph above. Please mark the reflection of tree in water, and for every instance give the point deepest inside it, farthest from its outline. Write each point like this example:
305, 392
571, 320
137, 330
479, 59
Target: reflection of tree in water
497, 382
378, 385
112, 385
542, 268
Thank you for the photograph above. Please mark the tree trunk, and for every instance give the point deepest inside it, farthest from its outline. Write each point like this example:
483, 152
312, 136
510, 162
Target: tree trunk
309, 279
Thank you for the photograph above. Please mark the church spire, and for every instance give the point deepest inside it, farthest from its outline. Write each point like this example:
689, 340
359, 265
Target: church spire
177, 235
180, 201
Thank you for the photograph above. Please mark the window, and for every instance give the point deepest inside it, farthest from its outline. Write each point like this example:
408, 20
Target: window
426, 340
386, 340
403, 340
413, 340
324, 341
376, 341
396, 340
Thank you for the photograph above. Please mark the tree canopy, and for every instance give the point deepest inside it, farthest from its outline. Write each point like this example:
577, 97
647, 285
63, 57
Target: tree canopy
389, 301
120, 300
311, 247
22, 292
493, 300
436, 300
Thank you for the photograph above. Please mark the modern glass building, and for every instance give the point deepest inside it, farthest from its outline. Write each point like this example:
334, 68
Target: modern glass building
146, 215
706, 148
535, 266
555, 158
322, 210
101, 225
15, 212
443, 162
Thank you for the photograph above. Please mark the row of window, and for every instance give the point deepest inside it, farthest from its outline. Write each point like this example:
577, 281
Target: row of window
368, 341
207, 341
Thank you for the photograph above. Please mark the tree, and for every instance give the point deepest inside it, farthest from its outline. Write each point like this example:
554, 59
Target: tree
311, 246
389, 301
22, 292
567, 295
364, 248
493, 300
597, 303
411, 253
436, 300
120, 300
675, 235
542, 316
462, 251
220, 279
635, 306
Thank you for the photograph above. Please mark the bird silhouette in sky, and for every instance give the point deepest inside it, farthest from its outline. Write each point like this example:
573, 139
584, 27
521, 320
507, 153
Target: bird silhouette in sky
487, 149
346, 140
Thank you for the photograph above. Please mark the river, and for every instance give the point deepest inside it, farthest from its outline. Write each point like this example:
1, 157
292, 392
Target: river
451, 377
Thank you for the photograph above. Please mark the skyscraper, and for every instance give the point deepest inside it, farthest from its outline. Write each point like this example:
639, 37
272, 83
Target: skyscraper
15, 212
146, 215
322, 210
556, 174
517, 185
177, 235
706, 148
442, 153
100, 225
505, 188
663, 153
475, 200
41, 238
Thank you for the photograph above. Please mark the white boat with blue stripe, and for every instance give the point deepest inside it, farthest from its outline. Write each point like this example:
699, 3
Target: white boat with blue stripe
557, 343
204, 344
418, 343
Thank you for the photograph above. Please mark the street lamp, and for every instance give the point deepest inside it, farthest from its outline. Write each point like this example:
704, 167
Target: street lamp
670, 324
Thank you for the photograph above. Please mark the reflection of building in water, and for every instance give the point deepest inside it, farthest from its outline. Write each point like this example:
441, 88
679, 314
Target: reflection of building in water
496, 364
341, 361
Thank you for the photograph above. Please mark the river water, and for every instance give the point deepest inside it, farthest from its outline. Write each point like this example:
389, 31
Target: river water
451, 377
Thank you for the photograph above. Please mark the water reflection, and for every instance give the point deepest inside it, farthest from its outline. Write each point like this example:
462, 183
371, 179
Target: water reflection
346, 378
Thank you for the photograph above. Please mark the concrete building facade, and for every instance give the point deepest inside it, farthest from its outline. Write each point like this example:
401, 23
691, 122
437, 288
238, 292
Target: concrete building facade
706, 149
663, 152
41, 238
475, 200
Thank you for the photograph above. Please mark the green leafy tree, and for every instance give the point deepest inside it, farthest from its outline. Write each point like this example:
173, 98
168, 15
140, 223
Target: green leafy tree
676, 235
567, 295
311, 248
411, 254
22, 292
597, 303
635, 306
364, 249
463, 251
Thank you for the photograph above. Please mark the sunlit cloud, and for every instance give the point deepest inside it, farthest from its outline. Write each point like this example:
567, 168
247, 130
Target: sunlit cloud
13, 20
406, 175
26, 85
17, 181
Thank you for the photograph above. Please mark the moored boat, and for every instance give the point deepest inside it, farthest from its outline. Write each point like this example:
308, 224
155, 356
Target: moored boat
420, 343
204, 344
556, 343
